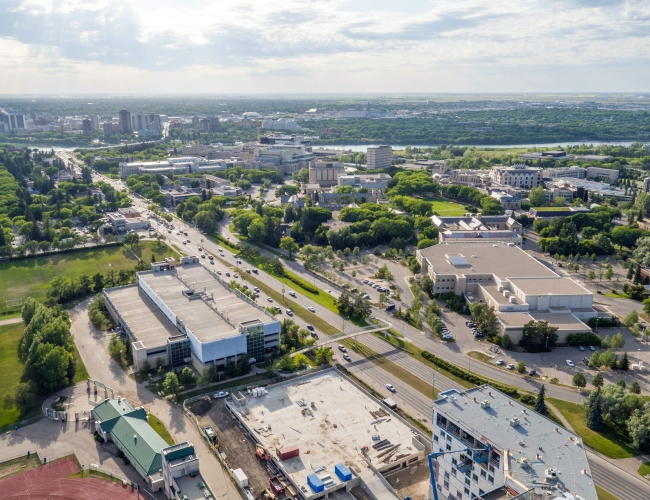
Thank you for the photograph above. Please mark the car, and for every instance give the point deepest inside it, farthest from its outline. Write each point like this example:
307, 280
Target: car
188, 241
254, 271
311, 309
366, 297
570, 363
245, 287
310, 327
329, 291
212, 262
390, 387
278, 309
220, 394
292, 293
390, 307
314, 334
203, 256
470, 324
256, 289
228, 274
353, 290
510, 366
184, 242
365, 281
500, 362
581, 348
532, 373
248, 271
210, 257
200, 249
592, 348
342, 348
478, 335
219, 273
289, 312
269, 299
585, 360
235, 275
347, 357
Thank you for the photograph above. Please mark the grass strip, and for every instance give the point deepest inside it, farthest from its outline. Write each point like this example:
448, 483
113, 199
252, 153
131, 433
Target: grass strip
604, 494
608, 441
644, 470
481, 356
157, 425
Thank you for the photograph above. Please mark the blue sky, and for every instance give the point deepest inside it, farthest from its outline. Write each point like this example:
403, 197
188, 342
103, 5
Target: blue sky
83, 46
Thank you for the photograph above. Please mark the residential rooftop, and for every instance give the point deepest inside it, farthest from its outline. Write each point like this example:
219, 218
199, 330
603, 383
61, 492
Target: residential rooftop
499, 259
532, 446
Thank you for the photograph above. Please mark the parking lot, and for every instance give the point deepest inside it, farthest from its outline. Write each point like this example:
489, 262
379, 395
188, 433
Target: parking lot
238, 448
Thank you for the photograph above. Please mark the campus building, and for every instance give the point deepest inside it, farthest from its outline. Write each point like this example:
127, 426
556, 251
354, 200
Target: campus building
379, 157
325, 173
186, 314
521, 176
477, 228
519, 287
520, 450
577, 172
171, 166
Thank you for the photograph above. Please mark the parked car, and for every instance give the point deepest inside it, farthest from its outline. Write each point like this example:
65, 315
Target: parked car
585, 360
570, 363
220, 394
500, 362
390, 387
592, 348
390, 307
510, 366
581, 348
532, 373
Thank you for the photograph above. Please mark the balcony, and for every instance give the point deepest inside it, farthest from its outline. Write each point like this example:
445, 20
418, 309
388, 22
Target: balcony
481, 457
465, 467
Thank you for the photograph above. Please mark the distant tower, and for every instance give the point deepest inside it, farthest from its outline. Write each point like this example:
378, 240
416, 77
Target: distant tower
125, 122
646, 184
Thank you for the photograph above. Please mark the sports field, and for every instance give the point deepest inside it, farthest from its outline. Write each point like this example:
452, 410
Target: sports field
10, 368
446, 208
30, 277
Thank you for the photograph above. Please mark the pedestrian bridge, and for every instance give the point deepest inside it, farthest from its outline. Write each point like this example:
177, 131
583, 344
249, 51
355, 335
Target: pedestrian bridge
378, 326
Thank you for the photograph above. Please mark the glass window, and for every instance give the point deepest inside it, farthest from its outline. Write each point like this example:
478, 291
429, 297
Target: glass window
435, 438
448, 447
454, 461
453, 472
466, 491
490, 480
483, 474
467, 481
475, 478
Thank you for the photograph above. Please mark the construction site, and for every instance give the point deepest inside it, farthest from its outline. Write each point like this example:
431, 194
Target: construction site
296, 439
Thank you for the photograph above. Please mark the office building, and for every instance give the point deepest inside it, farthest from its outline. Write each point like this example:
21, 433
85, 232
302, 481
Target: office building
583, 188
518, 286
325, 173
126, 124
520, 176
379, 157
507, 200
13, 121
521, 451
94, 122
369, 181
171, 166
325, 420
293, 157
281, 124
477, 228
86, 126
210, 124
187, 314
577, 172
108, 128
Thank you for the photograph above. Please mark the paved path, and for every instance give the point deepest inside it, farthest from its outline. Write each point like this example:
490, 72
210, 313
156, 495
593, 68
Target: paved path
11, 321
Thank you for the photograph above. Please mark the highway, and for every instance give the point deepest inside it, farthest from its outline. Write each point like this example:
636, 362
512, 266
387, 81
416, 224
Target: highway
413, 402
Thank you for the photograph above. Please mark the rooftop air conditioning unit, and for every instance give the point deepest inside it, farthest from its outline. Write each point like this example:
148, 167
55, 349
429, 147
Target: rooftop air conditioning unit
485, 403
514, 421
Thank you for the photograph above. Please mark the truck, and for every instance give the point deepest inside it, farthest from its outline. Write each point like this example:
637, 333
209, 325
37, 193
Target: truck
390, 403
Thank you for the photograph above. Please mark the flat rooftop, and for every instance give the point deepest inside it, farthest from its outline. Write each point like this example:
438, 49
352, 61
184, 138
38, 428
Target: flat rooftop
492, 258
492, 290
330, 420
205, 323
190, 488
549, 286
563, 321
558, 449
142, 316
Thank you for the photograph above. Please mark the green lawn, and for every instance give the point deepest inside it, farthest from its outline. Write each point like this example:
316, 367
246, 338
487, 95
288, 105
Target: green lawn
446, 208
644, 470
10, 368
30, 277
608, 441
604, 494
160, 428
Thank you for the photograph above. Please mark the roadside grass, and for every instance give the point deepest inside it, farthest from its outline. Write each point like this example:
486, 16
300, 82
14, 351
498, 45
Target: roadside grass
19, 465
30, 277
82, 373
608, 441
604, 494
481, 356
228, 384
644, 469
10, 367
157, 425
617, 295
95, 474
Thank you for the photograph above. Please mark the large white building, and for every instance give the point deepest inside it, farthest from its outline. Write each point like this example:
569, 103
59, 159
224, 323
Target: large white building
368, 181
187, 314
520, 450
172, 166
379, 157
519, 287
521, 176
577, 172
292, 156
325, 173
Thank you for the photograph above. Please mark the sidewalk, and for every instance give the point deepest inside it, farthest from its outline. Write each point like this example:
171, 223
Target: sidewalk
11, 321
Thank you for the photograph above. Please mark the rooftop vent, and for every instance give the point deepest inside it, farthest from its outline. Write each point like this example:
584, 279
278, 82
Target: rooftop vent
514, 421
485, 403
550, 474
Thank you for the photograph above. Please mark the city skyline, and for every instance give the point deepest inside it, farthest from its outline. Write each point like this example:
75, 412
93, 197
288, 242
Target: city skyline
340, 46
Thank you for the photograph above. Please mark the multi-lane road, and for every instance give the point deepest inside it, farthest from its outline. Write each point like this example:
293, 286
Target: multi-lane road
414, 402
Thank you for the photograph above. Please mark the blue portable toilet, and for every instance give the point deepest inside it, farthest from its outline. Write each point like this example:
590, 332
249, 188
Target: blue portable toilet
315, 483
343, 472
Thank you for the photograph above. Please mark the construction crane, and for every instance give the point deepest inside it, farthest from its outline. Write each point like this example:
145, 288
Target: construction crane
437, 454
258, 126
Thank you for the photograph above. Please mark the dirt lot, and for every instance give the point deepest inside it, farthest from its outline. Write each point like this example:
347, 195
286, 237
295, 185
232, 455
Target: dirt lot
412, 482
237, 446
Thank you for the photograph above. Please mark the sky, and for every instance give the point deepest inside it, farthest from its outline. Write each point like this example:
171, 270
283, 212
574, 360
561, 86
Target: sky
337, 46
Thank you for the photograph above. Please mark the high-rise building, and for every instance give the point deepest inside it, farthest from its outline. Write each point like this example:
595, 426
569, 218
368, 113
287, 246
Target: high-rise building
94, 121
14, 122
108, 128
86, 125
379, 157
209, 124
126, 126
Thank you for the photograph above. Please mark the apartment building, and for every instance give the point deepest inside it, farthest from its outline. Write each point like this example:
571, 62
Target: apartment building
379, 157
521, 176
126, 123
513, 449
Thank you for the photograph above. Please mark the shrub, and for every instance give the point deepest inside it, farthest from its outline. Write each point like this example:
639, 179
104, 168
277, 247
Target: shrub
604, 322
528, 399
585, 338
302, 284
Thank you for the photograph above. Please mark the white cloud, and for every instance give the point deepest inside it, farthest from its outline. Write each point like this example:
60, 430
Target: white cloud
321, 45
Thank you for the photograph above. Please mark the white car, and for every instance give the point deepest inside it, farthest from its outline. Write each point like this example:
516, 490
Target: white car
269, 299
592, 348
219, 273
292, 293
510, 366
390, 387
581, 348
220, 394
500, 362
311, 309
570, 363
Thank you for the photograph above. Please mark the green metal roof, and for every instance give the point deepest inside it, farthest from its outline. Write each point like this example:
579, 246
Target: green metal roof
178, 451
110, 408
140, 440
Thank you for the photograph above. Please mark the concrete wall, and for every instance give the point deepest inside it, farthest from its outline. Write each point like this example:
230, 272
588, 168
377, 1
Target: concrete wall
156, 300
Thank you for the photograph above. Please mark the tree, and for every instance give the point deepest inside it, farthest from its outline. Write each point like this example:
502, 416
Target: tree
540, 403
23, 396
592, 275
171, 385
50, 366
521, 367
638, 426
537, 196
506, 342
116, 348
637, 275
624, 362
621, 383
323, 355
288, 244
187, 376
145, 368
594, 417
612, 403
609, 273
538, 333
631, 318
598, 380
594, 360
618, 342
579, 379
630, 272
487, 321
608, 359
132, 239
205, 379
635, 388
